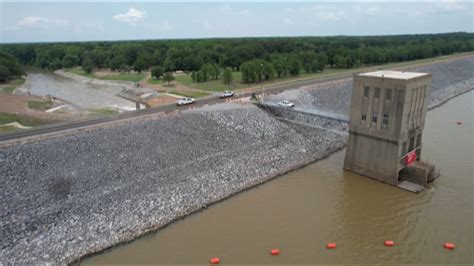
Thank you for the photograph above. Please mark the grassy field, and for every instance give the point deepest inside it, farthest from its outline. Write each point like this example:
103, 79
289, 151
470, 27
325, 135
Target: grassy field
213, 85
103, 111
7, 128
7, 90
155, 81
190, 94
17, 82
9, 86
39, 105
133, 77
26, 121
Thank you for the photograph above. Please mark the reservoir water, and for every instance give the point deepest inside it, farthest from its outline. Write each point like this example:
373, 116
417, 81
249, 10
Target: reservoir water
302, 211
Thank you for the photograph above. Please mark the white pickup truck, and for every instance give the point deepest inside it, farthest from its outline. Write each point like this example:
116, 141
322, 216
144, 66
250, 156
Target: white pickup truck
226, 94
286, 104
185, 101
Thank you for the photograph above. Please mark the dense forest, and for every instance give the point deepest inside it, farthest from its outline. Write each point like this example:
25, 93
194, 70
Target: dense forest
258, 58
10, 68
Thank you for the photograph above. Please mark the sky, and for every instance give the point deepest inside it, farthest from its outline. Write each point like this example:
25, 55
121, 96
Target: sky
37, 21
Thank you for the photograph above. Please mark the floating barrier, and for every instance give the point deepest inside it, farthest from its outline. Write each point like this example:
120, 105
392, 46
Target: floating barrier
450, 246
215, 261
274, 252
388, 243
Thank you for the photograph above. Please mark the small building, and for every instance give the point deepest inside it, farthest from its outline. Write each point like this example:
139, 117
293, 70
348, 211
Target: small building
387, 117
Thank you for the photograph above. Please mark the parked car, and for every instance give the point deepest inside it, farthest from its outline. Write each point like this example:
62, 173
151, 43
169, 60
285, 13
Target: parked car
286, 104
226, 94
185, 101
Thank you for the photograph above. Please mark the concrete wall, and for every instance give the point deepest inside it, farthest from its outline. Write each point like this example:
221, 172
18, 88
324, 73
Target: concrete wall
305, 118
373, 158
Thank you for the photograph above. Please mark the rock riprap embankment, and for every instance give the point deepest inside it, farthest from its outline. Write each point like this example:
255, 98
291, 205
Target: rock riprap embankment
69, 196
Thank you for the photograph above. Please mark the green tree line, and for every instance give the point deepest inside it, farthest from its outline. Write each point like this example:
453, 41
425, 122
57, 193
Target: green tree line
10, 68
258, 58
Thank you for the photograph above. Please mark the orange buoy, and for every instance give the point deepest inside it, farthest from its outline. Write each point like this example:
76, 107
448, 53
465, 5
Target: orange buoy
459, 122
274, 252
331, 245
388, 243
215, 261
448, 245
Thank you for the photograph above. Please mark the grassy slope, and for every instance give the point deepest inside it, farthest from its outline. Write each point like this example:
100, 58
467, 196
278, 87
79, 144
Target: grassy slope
39, 105
155, 81
213, 85
103, 111
7, 90
133, 77
11, 85
190, 94
26, 121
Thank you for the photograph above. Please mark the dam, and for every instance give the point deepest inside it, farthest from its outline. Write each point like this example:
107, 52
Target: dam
303, 210
74, 195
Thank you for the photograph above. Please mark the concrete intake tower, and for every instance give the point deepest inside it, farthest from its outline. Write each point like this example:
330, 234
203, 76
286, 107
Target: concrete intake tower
387, 117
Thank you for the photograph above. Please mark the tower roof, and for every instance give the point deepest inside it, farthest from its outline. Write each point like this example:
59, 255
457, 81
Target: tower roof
394, 74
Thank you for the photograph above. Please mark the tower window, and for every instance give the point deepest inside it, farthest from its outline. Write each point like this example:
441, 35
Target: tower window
377, 93
374, 119
412, 144
364, 117
388, 95
385, 119
366, 91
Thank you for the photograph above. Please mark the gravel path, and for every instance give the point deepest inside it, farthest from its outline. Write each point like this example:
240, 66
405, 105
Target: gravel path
66, 197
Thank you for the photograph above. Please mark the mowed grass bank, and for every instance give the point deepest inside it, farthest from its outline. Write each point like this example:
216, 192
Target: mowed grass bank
24, 120
133, 77
40, 105
10, 86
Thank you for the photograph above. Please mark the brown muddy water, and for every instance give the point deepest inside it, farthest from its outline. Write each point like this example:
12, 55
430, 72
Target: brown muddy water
302, 211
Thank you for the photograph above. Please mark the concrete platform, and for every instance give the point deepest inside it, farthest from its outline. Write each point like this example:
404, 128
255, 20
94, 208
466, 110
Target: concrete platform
410, 186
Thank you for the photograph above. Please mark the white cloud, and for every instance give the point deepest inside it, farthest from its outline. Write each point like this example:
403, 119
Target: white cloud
34, 22
133, 15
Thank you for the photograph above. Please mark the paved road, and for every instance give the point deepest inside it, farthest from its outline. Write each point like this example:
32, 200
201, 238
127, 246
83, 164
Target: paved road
166, 109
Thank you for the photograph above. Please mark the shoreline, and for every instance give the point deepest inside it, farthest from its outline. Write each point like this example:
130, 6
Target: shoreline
218, 174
